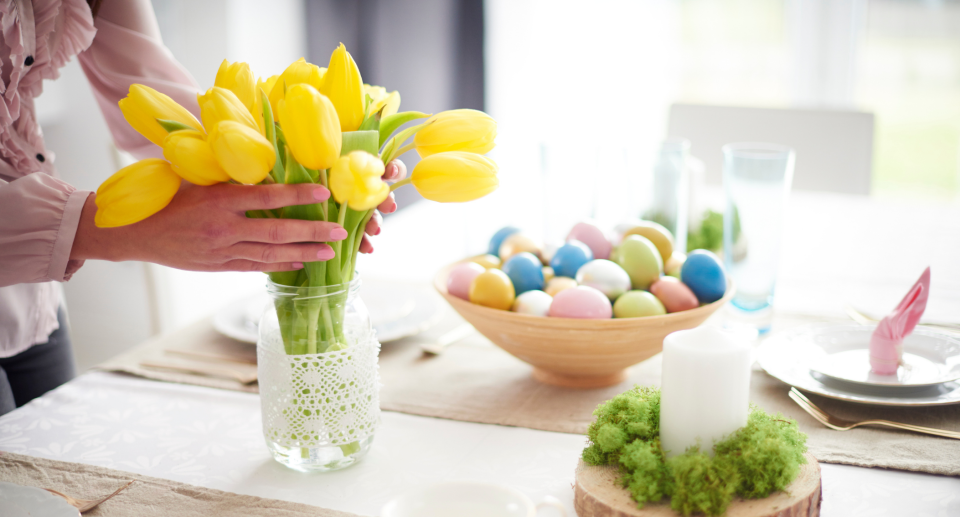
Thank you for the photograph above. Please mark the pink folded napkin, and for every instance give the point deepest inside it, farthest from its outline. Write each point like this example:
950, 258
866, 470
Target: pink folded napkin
886, 343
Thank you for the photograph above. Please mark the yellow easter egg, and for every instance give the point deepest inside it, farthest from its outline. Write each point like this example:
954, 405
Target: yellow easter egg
672, 265
548, 274
657, 234
487, 261
558, 284
493, 289
518, 243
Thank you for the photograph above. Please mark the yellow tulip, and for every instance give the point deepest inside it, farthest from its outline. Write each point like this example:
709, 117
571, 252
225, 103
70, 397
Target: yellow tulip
355, 180
243, 153
135, 192
344, 87
388, 101
220, 104
192, 158
238, 78
144, 105
267, 86
455, 177
457, 130
311, 127
299, 72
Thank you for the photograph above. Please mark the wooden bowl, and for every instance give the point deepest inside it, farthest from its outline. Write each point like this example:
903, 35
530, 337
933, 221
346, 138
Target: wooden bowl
576, 353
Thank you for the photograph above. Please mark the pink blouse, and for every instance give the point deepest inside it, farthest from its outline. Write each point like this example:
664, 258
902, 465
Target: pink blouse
39, 213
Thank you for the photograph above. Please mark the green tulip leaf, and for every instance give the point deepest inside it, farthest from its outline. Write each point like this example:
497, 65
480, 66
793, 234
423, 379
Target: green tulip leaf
391, 123
173, 125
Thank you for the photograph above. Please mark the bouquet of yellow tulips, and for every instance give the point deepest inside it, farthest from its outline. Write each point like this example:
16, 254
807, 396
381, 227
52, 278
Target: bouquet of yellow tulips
307, 125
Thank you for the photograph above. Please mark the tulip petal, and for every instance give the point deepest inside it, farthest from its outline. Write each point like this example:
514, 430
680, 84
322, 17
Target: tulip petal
143, 106
455, 177
135, 192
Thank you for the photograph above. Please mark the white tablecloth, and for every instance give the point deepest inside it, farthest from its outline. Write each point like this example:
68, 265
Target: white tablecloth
213, 438
839, 249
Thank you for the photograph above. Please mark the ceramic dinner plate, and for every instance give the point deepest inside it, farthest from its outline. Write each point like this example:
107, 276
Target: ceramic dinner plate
823, 359
397, 310
27, 501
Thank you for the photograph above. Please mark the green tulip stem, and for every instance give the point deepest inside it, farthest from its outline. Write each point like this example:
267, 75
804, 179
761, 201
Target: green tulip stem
323, 181
405, 181
359, 240
401, 151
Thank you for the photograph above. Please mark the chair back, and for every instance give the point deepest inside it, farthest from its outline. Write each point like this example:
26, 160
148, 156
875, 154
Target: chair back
834, 148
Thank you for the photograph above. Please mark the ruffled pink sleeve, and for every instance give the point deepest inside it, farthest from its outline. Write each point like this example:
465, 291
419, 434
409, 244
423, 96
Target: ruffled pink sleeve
39, 215
128, 50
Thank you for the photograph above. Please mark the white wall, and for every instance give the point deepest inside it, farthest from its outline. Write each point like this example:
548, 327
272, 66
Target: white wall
114, 306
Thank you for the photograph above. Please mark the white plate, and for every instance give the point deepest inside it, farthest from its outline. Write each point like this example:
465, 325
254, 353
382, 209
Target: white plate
397, 310
27, 501
843, 352
790, 356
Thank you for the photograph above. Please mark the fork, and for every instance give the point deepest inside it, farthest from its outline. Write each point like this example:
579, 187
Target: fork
864, 319
85, 505
839, 424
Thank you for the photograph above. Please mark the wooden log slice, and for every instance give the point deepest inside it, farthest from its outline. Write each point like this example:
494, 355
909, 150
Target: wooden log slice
597, 494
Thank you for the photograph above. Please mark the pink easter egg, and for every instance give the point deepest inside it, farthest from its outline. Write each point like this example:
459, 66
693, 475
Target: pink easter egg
458, 283
593, 237
581, 302
674, 294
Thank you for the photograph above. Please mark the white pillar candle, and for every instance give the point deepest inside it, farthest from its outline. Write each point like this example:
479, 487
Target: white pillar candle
705, 391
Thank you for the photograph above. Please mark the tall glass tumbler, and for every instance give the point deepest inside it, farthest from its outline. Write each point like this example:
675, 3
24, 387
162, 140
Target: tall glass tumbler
671, 190
757, 179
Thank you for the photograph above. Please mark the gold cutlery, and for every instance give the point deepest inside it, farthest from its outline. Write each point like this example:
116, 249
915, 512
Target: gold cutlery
242, 377
447, 339
839, 424
865, 319
85, 505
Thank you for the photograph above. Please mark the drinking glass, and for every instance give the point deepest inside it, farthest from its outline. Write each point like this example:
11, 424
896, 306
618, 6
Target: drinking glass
757, 179
671, 190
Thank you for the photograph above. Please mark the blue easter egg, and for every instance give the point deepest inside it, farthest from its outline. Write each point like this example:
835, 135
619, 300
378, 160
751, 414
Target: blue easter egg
704, 275
497, 239
569, 258
525, 271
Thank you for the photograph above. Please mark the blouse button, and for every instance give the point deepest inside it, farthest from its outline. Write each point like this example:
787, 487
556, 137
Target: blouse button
40, 158
28, 62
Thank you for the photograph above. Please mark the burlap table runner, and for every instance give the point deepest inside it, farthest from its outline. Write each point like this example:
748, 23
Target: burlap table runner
148, 496
474, 381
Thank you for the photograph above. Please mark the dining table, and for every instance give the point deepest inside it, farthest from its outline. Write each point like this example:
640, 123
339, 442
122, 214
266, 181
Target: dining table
837, 250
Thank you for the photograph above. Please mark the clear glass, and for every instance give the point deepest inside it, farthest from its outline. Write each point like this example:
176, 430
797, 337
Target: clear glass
671, 190
317, 365
757, 179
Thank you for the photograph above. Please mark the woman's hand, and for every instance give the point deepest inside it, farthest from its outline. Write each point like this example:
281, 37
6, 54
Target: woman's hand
206, 229
395, 171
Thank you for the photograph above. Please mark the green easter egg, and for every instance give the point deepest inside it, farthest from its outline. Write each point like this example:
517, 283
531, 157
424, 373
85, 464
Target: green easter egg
637, 304
641, 260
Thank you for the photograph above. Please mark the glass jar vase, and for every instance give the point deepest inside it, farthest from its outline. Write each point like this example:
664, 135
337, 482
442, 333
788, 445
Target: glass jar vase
317, 369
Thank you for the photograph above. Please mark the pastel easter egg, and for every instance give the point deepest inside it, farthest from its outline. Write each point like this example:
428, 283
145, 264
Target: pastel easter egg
672, 266
605, 276
546, 253
658, 235
637, 304
558, 284
548, 274
534, 303
493, 289
494, 247
487, 261
581, 302
568, 258
674, 295
517, 243
525, 271
704, 275
641, 260
621, 229
461, 276
591, 235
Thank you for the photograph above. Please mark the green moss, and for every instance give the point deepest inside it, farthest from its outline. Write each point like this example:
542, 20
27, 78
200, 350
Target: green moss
758, 459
